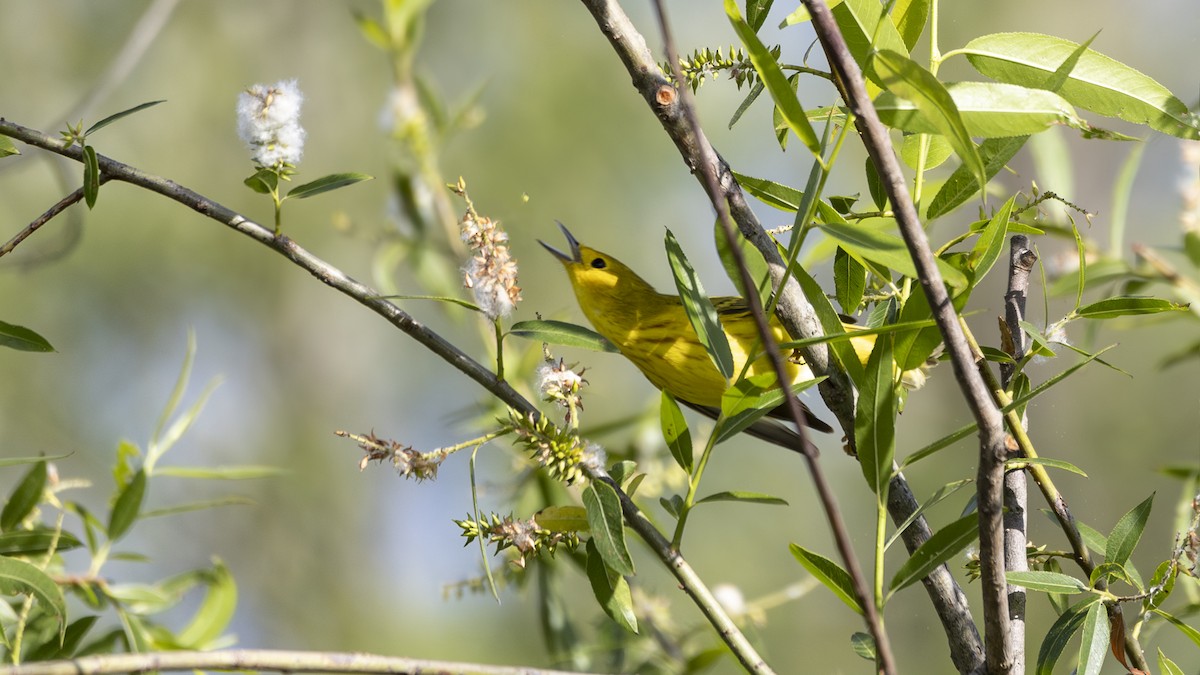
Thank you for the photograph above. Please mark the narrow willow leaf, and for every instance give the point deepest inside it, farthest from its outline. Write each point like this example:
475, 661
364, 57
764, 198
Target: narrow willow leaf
607, 526
909, 17
22, 339
328, 183
750, 255
1024, 462
245, 472
116, 116
831, 324
988, 110
72, 639
1127, 532
828, 573
744, 497
963, 185
935, 499
1096, 82
215, 611
991, 242
942, 546
1068, 623
700, 311
785, 198
1191, 633
91, 176
33, 542
849, 281
887, 249
777, 84
914, 348
128, 505
203, 505
22, 576
1094, 643
562, 519
751, 398
675, 431
7, 148
1128, 306
859, 22
1166, 665
611, 590
904, 77
875, 419
751, 97
562, 334
24, 497
1047, 582
450, 300
756, 13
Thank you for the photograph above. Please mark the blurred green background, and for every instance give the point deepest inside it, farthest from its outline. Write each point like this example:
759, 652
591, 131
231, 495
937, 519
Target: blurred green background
331, 558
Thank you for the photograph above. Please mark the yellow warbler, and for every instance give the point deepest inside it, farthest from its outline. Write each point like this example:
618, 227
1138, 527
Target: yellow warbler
652, 330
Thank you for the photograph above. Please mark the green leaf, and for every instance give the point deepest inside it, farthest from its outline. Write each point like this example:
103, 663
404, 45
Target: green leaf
849, 280
245, 472
562, 518
562, 334
886, 249
608, 531
264, 181
32, 542
988, 110
909, 17
1061, 633
1096, 82
675, 431
7, 148
611, 590
1094, 644
863, 645
935, 499
756, 13
875, 419
990, 243
128, 504
22, 339
1166, 666
436, 298
859, 22
116, 116
91, 176
1023, 462
328, 183
18, 574
963, 184
214, 613
72, 638
700, 311
777, 84
1128, 305
1191, 633
1127, 532
24, 498
1047, 582
749, 399
942, 546
744, 497
750, 255
831, 324
785, 198
904, 77
203, 505
828, 573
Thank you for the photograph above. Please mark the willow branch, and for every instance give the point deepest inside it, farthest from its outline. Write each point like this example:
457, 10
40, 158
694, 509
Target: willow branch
262, 659
990, 474
883, 649
372, 300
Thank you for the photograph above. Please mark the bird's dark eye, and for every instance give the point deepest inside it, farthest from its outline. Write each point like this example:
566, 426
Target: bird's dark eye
599, 263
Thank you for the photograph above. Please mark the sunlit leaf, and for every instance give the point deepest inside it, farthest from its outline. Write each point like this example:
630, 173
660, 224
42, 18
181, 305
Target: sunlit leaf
562, 334
700, 310
828, 573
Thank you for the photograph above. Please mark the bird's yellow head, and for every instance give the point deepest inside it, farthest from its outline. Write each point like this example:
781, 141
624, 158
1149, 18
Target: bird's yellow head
601, 282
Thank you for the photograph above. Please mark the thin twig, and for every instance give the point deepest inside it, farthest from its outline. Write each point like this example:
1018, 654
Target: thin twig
262, 659
1016, 489
41, 220
373, 300
829, 504
990, 474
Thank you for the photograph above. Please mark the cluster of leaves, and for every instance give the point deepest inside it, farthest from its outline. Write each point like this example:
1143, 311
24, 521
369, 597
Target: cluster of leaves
37, 580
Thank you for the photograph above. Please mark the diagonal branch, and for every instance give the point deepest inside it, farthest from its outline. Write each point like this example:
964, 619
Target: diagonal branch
990, 475
371, 299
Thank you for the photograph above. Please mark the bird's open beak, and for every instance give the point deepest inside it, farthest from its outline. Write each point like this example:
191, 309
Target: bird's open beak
571, 241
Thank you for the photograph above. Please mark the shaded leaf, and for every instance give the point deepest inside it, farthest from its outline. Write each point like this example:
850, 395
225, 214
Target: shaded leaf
562, 519
116, 116
1127, 532
22, 339
875, 418
700, 310
1022, 462
934, 499
675, 431
328, 183
849, 280
128, 505
91, 176
1060, 634
1047, 582
16, 574
963, 184
1094, 643
887, 249
607, 526
828, 573
942, 546
743, 496
611, 590
562, 334
33, 542
749, 399
24, 497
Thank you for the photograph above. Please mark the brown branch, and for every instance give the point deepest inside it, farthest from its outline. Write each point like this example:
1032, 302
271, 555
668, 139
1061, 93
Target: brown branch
46, 217
990, 474
262, 659
371, 299
883, 649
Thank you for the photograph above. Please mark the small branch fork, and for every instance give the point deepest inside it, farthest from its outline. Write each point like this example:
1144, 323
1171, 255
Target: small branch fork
333, 277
